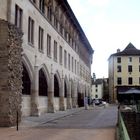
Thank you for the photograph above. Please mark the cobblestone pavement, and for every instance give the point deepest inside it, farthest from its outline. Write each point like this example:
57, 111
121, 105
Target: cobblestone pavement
77, 124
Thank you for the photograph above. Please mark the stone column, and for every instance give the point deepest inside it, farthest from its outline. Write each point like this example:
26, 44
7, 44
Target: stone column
35, 93
61, 97
10, 73
51, 95
69, 104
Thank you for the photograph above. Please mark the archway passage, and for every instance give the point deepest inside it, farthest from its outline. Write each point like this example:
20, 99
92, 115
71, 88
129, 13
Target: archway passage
43, 86
80, 100
65, 90
56, 87
26, 82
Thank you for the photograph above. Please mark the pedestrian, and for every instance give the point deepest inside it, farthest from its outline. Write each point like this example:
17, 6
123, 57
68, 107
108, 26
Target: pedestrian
86, 102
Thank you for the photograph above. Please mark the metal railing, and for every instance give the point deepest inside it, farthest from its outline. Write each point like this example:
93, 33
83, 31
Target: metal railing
122, 130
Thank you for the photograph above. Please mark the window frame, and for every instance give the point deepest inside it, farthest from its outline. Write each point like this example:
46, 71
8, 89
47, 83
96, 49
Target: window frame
130, 80
55, 51
18, 16
48, 45
119, 68
130, 68
118, 59
69, 61
30, 31
42, 6
40, 39
60, 55
119, 81
65, 58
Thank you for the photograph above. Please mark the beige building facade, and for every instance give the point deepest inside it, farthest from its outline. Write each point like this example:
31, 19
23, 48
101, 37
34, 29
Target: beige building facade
124, 71
56, 55
97, 89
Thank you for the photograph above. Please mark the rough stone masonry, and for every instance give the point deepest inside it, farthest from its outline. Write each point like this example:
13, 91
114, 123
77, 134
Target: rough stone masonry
10, 73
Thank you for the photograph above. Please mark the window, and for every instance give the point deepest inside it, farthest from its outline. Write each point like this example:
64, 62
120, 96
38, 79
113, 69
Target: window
48, 45
60, 54
42, 6
40, 39
49, 13
118, 59
119, 80
139, 68
55, 18
119, 69
129, 68
75, 66
65, 35
65, 58
31, 30
69, 61
130, 81
18, 16
96, 85
55, 23
72, 64
96, 96
139, 80
139, 59
61, 29
96, 91
55, 50
130, 59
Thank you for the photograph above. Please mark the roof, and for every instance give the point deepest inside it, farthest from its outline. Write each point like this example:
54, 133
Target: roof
97, 82
130, 50
71, 15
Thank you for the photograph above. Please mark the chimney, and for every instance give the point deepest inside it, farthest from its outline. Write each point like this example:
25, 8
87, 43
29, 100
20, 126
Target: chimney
94, 77
118, 50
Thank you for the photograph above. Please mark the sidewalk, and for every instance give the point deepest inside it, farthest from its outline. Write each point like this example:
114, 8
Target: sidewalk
28, 129
45, 118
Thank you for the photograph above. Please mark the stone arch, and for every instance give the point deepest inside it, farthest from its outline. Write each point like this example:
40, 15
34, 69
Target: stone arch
26, 82
80, 99
28, 66
27, 75
43, 85
46, 73
57, 84
44, 80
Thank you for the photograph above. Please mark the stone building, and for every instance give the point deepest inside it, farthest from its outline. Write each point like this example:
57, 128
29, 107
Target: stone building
43, 41
124, 71
99, 88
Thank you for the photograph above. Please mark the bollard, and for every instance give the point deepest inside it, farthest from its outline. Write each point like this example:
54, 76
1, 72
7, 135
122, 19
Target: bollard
17, 120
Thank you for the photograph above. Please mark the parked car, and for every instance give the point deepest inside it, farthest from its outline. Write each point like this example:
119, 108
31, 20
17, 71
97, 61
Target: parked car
97, 101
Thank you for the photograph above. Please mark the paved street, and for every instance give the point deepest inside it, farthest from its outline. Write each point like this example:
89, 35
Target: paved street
87, 119
93, 124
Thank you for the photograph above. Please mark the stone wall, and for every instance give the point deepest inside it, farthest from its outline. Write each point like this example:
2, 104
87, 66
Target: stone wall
10, 73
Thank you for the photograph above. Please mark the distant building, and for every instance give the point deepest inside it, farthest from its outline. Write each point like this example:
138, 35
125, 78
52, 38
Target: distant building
99, 88
124, 71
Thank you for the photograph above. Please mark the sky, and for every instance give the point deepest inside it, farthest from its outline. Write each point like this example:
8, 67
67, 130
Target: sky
108, 25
